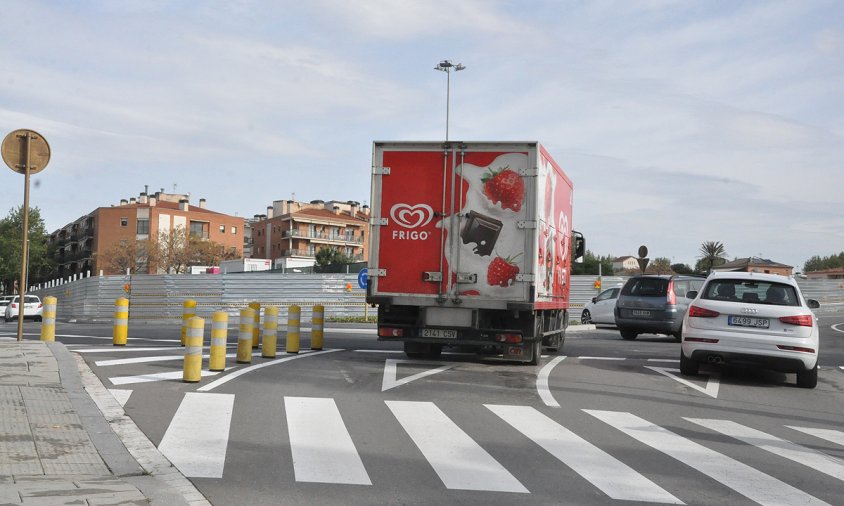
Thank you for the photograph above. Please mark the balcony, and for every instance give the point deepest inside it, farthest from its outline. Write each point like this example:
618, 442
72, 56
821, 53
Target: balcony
312, 254
316, 237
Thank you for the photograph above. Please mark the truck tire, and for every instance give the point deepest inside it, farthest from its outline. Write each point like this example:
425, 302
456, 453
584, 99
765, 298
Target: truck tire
536, 348
414, 350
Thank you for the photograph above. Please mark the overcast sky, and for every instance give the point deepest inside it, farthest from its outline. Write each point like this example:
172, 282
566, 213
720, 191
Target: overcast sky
678, 121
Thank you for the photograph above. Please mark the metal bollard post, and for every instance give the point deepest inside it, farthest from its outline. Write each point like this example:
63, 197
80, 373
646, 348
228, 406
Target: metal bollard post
219, 335
256, 325
244, 337
269, 338
48, 319
317, 327
193, 350
293, 318
188, 312
121, 322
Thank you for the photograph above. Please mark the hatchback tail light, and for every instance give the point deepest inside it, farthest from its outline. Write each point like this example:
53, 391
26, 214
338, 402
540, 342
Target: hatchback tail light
14, 306
701, 312
803, 320
39, 305
671, 297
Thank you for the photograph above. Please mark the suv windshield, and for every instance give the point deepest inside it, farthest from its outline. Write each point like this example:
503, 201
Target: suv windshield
756, 292
646, 287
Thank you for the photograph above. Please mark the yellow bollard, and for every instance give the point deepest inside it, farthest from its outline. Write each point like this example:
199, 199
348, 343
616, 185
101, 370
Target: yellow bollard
219, 335
256, 325
269, 338
48, 319
194, 338
317, 327
293, 318
188, 312
121, 322
244, 338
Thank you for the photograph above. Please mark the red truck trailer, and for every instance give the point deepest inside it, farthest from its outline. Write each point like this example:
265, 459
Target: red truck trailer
471, 246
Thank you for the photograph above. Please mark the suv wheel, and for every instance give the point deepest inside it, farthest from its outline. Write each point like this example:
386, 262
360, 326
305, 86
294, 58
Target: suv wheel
808, 379
688, 367
628, 335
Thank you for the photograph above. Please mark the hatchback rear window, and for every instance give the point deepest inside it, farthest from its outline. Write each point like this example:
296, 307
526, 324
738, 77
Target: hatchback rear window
755, 292
646, 287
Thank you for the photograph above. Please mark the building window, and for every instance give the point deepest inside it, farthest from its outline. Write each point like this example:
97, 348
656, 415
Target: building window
124, 222
142, 227
199, 229
234, 230
222, 229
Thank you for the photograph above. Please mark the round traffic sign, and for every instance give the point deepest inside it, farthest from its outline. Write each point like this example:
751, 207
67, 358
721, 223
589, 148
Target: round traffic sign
13, 150
643, 251
362, 277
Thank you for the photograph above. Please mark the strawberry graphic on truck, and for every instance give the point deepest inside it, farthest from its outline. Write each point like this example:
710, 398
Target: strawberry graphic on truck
466, 247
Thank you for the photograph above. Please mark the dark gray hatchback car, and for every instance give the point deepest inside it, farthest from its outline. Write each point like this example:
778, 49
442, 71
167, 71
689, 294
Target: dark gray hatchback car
654, 304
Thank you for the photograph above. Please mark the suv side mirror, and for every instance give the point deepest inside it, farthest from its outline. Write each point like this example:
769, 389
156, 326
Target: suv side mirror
813, 304
691, 294
579, 246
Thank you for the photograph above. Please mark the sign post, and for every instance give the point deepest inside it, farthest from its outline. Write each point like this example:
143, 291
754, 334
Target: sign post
25, 152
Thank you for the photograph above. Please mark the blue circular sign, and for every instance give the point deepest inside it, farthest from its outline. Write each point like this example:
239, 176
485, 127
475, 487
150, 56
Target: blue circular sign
362, 278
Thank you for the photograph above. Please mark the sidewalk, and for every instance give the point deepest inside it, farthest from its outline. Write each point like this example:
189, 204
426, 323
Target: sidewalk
59, 440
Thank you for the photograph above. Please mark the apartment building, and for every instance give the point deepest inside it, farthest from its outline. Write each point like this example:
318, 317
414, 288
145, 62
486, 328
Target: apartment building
79, 244
291, 233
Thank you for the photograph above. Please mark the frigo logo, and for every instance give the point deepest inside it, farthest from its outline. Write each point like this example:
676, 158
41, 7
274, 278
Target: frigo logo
411, 217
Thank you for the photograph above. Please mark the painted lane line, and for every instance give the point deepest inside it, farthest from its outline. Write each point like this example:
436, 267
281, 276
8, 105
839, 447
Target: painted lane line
225, 379
600, 358
457, 459
389, 380
712, 384
542, 382
378, 351
196, 440
121, 396
835, 327
833, 436
121, 349
614, 478
752, 483
148, 378
322, 448
810, 458
676, 360
159, 358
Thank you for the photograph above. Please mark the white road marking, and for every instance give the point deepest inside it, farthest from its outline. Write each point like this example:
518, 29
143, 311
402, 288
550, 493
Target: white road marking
833, 436
542, 382
457, 459
121, 396
196, 440
712, 384
322, 449
810, 458
677, 360
120, 349
225, 379
610, 475
600, 358
378, 351
753, 484
147, 378
158, 358
389, 380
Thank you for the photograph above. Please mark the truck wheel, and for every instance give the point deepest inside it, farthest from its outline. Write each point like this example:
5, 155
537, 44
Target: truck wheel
537, 352
414, 350
628, 335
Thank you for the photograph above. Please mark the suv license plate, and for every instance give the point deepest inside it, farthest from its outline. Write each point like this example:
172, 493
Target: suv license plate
446, 334
639, 312
746, 321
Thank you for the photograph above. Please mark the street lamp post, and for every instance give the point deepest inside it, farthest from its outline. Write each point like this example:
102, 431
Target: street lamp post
446, 66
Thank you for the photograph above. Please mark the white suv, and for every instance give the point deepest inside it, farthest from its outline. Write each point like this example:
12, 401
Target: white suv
752, 319
32, 308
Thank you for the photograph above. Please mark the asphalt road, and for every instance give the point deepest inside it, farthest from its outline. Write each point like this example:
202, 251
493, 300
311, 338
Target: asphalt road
604, 421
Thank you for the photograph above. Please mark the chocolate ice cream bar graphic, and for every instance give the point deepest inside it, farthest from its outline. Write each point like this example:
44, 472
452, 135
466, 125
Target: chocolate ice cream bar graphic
481, 230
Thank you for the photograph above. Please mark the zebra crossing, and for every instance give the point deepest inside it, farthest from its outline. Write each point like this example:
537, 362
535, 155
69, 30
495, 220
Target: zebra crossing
322, 449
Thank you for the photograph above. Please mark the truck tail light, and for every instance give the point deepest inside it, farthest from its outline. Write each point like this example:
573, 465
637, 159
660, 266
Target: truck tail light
508, 338
803, 320
700, 312
390, 332
671, 297
795, 348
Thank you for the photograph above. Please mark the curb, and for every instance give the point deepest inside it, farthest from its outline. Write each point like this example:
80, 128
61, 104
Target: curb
167, 483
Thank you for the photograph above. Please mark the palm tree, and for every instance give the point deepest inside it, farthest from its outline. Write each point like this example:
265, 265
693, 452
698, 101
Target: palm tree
712, 254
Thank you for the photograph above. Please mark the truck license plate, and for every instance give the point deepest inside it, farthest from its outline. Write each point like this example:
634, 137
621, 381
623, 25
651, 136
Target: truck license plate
447, 334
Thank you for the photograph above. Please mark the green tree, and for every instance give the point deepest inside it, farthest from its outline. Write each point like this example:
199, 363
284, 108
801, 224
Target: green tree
818, 263
682, 269
41, 262
329, 256
590, 265
660, 265
713, 254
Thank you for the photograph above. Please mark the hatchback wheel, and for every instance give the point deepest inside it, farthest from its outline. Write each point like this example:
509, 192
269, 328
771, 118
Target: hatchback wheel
586, 317
688, 367
808, 379
628, 335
